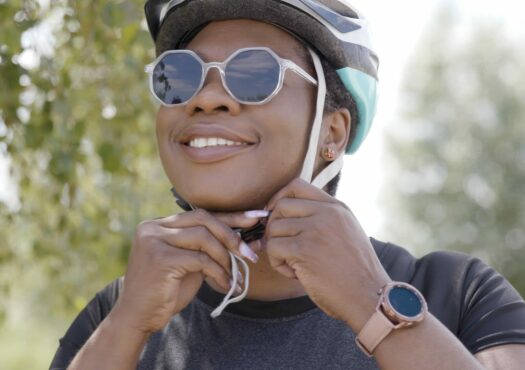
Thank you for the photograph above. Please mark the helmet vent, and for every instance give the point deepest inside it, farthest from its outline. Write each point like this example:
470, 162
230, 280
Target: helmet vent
341, 7
340, 22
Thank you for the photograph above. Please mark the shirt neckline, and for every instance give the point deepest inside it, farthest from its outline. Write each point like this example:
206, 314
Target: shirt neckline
257, 309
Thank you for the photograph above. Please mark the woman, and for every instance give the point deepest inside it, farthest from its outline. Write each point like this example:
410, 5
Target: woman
248, 145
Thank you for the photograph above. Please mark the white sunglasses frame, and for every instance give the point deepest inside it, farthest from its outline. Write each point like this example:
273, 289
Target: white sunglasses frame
284, 64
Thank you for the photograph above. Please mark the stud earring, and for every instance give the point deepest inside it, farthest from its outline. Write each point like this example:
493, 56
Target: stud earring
329, 154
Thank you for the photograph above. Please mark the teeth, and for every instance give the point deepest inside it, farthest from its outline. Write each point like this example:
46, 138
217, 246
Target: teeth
202, 142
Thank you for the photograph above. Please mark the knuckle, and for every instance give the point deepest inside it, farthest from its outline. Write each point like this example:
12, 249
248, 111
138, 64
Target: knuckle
203, 258
341, 205
297, 182
201, 215
206, 237
269, 229
145, 231
232, 240
201, 233
207, 242
279, 207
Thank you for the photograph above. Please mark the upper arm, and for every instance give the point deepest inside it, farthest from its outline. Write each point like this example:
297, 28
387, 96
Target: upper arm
507, 357
492, 311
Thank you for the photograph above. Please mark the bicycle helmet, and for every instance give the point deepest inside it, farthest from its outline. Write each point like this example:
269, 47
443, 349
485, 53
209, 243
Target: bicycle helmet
333, 28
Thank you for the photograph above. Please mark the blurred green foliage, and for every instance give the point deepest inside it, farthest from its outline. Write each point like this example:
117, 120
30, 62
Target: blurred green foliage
77, 122
457, 157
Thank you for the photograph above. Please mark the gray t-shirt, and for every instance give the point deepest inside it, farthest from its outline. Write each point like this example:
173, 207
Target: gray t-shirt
293, 335
472, 300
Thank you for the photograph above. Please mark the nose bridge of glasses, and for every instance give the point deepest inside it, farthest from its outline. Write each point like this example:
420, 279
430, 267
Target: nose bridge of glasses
214, 65
217, 65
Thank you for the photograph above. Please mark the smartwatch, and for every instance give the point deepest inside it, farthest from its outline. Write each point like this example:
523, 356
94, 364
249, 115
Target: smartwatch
400, 305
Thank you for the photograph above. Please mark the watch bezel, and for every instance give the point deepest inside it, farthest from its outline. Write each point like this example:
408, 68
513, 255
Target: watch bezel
397, 318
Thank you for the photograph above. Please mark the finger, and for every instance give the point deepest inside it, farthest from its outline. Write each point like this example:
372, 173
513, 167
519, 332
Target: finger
222, 232
284, 227
300, 189
189, 261
281, 255
197, 238
293, 207
242, 220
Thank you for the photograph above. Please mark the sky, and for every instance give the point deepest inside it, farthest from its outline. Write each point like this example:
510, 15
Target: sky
397, 28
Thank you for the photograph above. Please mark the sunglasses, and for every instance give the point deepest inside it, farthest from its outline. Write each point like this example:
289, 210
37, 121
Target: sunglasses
250, 75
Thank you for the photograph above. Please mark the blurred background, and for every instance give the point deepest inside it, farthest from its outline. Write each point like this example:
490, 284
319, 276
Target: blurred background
444, 166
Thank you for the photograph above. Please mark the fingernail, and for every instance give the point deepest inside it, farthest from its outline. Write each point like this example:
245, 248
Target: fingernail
256, 214
248, 253
240, 279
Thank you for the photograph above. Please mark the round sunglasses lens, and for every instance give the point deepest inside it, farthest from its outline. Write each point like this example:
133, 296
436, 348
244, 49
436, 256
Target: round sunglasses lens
176, 78
252, 75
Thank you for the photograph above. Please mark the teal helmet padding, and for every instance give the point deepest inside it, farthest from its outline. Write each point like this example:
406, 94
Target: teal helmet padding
363, 89
335, 29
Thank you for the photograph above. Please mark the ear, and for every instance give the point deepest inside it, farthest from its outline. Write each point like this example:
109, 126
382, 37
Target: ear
335, 132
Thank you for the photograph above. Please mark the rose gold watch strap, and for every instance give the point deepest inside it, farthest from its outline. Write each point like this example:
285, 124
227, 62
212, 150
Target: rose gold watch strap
374, 331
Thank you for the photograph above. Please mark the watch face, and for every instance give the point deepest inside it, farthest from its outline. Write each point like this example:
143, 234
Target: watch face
405, 301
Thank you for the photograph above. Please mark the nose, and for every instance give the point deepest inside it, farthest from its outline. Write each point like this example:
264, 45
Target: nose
213, 98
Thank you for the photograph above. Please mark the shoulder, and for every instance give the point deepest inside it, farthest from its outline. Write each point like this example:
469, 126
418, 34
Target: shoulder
442, 275
403, 266
104, 300
99, 306
86, 323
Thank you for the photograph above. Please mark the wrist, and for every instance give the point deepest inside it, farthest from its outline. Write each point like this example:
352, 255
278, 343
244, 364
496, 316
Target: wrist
400, 305
363, 305
123, 322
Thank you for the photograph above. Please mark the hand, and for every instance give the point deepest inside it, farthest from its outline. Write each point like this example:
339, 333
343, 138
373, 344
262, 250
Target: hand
169, 260
315, 238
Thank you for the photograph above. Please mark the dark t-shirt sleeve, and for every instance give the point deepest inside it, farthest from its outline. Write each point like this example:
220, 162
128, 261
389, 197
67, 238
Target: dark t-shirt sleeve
470, 298
493, 312
85, 324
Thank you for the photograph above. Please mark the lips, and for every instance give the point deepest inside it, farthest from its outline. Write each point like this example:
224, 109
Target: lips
204, 143
214, 131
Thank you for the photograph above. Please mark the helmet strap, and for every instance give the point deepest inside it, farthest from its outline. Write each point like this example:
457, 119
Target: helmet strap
328, 173
311, 154
333, 168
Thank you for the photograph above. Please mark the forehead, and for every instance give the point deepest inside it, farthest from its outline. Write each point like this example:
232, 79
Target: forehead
218, 40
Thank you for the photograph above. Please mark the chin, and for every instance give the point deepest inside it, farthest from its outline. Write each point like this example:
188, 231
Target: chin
224, 204
225, 200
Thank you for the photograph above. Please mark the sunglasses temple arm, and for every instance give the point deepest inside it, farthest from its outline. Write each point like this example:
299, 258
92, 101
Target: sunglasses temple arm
301, 72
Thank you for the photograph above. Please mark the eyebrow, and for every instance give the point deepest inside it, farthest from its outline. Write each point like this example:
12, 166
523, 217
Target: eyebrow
205, 56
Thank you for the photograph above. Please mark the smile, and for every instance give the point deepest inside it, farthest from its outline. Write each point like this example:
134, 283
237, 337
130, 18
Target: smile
207, 142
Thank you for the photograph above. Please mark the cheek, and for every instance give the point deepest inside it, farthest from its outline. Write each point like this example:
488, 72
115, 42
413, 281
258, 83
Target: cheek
165, 130
284, 142
291, 124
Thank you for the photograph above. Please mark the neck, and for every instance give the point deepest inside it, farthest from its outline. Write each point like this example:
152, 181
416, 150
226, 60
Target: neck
266, 284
